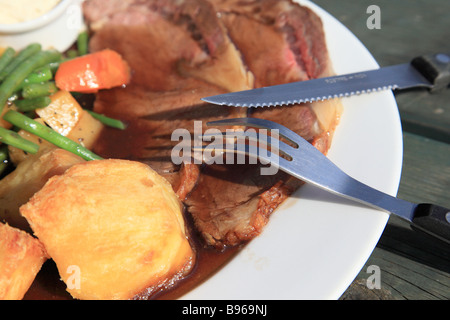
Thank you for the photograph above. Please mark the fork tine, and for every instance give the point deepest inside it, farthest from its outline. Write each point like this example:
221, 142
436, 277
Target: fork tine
306, 162
284, 132
251, 151
256, 140
259, 138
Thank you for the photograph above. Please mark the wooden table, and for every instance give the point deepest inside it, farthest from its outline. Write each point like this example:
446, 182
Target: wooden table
412, 265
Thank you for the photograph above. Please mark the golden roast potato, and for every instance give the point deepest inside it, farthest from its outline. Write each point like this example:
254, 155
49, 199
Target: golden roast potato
21, 258
114, 228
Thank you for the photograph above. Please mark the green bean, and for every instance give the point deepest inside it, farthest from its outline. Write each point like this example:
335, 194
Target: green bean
25, 105
107, 120
46, 133
9, 86
72, 54
12, 138
13, 97
35, 90
22, 56
82, 43
4, 159
42, 74
3, 153
53, 66
7, 57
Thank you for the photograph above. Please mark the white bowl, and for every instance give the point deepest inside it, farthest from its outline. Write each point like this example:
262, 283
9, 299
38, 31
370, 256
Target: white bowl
57, 28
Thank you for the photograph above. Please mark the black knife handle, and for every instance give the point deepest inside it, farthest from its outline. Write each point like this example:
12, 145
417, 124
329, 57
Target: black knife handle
432, 219
435, 68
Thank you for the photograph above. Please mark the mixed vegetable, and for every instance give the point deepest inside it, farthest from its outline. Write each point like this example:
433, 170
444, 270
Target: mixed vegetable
37, 89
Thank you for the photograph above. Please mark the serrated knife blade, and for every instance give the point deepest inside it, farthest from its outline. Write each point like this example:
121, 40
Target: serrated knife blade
431, 72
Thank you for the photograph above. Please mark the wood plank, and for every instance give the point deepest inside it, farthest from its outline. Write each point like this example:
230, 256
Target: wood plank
413, 265
425, 114
408, 29
426, 170
404, 279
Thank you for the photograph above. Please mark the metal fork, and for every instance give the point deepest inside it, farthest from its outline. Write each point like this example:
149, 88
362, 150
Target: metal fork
303, 161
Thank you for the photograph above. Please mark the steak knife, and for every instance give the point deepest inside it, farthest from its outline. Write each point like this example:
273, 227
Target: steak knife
430, 71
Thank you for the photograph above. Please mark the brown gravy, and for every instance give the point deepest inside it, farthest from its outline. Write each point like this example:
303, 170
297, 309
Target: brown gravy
209, 262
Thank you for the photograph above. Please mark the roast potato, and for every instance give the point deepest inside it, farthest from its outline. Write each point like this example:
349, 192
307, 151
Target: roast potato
21, 258
114, 228
30, 175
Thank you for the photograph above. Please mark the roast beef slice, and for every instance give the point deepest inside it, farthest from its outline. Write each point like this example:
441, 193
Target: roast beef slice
181, 51
168, 41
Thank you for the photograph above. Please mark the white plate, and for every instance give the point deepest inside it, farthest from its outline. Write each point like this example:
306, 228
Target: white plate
316, 243
58, 28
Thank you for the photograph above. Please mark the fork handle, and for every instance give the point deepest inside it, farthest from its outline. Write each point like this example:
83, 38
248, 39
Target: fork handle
432, 219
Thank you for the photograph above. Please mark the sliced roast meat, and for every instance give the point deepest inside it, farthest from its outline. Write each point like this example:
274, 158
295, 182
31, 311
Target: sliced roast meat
152, 118
280, 41
159, 39
181, 51
239, 201
240, 198
283, 42
166, 42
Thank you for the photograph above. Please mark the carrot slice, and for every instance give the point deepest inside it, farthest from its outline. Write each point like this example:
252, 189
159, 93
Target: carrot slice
92, 72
